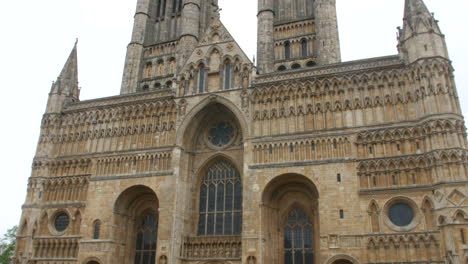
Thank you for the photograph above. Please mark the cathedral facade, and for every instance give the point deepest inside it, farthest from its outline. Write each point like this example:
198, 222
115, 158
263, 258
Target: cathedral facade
205, 157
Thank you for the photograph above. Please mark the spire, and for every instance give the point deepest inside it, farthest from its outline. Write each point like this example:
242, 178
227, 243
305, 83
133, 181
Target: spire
65, 88
420, 36
67, 81
418, 19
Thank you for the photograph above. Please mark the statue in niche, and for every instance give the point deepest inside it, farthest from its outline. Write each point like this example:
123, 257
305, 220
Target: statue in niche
163, 260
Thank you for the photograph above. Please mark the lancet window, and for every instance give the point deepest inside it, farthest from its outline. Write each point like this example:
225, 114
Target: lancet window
287, 50
298, 237
201, 79
220, 208
146, 239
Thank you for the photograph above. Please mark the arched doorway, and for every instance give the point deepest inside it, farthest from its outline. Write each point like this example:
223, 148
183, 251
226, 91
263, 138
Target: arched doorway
290, 220
136, 226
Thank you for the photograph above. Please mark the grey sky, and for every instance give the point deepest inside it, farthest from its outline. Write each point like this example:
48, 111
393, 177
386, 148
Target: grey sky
37, 37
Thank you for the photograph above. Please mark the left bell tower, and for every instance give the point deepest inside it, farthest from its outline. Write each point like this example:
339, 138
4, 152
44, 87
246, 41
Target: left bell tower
164, 32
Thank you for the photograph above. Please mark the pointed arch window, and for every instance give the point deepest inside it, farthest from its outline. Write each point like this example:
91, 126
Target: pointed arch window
201, 79
287, 50
180, 6
227, 75
298, 238
304, 48
158, 8
220, 208
97, 229
146, 239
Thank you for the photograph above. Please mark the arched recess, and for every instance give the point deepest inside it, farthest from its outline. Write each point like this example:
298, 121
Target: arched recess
342, 259
198, 113
428, 211
135, 220
286, 196
374, 216
211, 140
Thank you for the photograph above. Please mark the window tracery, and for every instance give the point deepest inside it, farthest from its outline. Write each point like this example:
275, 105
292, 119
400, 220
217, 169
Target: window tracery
220, 209
146, 239
298, 237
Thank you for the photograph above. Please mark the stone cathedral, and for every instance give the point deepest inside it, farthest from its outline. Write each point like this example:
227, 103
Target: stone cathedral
208, 158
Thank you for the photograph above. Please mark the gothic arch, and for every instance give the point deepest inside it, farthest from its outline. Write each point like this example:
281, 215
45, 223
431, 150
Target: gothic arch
339, 259
92, 260
211, 100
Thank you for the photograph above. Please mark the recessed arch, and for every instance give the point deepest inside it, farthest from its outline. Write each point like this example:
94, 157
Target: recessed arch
136, 220
211, 100
342, 259
285, 196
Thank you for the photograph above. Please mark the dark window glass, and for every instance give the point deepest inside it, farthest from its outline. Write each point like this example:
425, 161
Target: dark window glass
227, 76
287, 50
164, 8
146, 238
401, 214
201, 80
341, 214
304, 47
224, 211
61, 222
298, 238
221, 134
174, 6
97, 229
158, 8
180, 5
338, 177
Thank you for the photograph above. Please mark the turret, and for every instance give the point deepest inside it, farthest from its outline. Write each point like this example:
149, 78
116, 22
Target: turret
65, 89
265, 38
421, 36
328, 41
135, 48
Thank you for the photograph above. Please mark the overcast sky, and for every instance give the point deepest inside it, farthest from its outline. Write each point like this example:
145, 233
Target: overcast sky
37, 36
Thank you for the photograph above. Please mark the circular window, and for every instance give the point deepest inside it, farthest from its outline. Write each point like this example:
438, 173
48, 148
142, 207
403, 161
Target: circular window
61, 222
401, 214
221, 134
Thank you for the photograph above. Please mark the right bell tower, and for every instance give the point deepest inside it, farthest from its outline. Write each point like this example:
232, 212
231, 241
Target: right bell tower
294, 34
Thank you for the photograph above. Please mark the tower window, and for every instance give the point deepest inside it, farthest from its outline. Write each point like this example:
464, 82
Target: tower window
304, 48
462, 234
201, 79
164, 8
174, 6
180, 6
338, 177
287, 50
341, 214
296, 66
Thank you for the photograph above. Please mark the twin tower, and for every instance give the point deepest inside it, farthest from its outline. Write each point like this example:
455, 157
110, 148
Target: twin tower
292, 34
